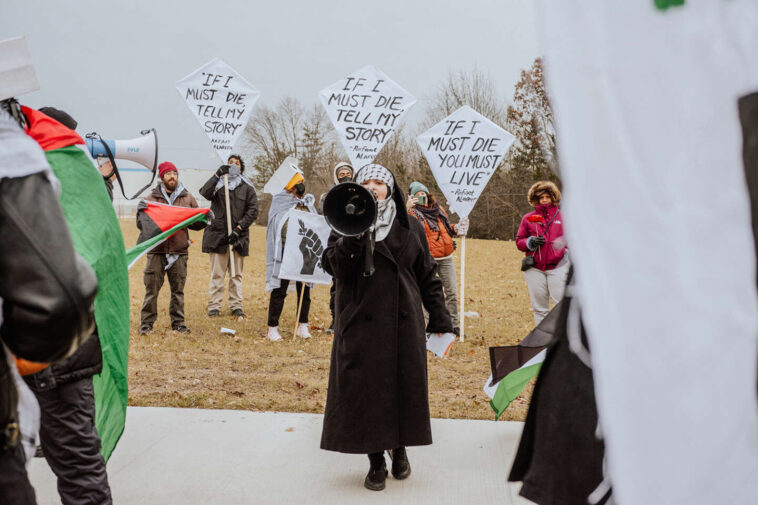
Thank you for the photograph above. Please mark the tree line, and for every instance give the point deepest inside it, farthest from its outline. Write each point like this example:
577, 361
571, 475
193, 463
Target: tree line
291, 128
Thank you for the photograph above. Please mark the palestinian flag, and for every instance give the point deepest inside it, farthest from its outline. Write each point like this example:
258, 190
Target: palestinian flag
97, 238
515, 365
158, 221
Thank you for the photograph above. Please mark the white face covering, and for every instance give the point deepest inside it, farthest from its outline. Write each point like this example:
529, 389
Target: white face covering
387, 210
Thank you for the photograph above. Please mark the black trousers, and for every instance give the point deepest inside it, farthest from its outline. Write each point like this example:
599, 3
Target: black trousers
276, 302
71, 444
14, 483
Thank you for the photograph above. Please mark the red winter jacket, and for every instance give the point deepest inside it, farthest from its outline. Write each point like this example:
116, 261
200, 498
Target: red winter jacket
549, 255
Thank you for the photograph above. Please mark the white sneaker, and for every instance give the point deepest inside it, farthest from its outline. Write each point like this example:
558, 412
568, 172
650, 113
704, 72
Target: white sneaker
273, 334
302, 331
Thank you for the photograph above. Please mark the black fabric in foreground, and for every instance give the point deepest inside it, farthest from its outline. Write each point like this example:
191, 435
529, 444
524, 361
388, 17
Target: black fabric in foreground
748, 107
559, 459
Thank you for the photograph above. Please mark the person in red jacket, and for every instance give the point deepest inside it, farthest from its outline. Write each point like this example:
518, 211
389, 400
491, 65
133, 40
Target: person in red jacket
540, 236
439, 233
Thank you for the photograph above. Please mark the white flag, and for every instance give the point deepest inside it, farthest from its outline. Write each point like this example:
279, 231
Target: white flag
307, 235
221, 100
365, 108
463, 151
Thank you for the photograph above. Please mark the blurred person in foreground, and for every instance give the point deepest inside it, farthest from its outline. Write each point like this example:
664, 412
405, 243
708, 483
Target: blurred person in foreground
46, 288
540, 236
293, 196
69, 439
243, 203
439, 233
377, 399
170, 257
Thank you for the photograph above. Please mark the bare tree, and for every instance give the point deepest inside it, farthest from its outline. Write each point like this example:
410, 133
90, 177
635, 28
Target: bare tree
271, 135
473, 88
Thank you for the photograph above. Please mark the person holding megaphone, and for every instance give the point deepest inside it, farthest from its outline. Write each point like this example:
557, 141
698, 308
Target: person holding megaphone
377, 398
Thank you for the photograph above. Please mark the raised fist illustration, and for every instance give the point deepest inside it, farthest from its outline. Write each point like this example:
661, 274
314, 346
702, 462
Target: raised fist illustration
311, 249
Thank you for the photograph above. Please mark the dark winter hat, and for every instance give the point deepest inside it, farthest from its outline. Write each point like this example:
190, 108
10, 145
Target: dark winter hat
61, 116
165, 167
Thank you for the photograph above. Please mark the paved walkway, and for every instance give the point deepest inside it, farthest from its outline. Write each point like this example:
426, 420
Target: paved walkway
219, 457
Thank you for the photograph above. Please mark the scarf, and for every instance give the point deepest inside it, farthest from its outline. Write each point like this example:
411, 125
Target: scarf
432, 216
235, 179
378, 173
386, 212
171, 258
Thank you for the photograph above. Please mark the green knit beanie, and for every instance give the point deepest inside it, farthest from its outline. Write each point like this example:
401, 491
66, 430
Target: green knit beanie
416, 187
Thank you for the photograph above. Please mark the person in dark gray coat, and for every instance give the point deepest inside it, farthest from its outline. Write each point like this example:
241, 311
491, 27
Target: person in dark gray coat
378, 396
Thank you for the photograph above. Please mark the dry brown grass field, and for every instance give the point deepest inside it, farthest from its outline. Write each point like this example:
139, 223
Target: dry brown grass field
207, 369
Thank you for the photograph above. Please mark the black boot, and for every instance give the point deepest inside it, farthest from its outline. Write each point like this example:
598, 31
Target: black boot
377, 474
401, 467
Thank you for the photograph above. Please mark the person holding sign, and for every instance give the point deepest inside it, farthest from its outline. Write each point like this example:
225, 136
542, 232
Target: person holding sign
540, 236
243, 203
292, 197
377, 398
439, 233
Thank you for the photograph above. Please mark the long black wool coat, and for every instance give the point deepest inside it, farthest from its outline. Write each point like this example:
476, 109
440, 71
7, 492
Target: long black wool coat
378, 395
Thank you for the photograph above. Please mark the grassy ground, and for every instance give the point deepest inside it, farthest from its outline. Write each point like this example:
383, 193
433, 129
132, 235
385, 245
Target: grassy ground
207, 369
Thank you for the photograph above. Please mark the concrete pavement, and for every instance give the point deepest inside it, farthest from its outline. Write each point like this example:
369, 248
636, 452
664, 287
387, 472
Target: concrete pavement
219, 457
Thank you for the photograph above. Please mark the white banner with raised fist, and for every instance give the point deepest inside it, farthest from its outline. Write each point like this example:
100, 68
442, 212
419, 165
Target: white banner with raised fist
307, 235
365, 108
221, 100
463, 151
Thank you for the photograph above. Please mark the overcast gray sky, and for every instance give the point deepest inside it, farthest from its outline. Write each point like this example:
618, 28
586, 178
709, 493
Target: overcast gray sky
113, 65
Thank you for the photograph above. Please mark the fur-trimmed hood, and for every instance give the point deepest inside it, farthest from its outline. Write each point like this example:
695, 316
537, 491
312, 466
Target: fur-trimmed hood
540, 187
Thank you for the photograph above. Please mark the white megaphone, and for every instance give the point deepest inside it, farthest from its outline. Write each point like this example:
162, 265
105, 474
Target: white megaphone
142, 150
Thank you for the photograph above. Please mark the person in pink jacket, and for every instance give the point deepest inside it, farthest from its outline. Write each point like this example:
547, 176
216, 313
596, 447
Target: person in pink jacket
540, 236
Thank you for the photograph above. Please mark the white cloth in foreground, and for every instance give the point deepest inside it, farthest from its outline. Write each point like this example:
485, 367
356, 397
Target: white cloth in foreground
658, 218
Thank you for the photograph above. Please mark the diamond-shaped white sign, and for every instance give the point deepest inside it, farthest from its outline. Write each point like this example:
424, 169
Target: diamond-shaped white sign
463, 151
221, 100
365, 108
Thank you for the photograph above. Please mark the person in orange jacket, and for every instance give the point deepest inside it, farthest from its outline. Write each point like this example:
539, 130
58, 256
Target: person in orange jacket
439, 233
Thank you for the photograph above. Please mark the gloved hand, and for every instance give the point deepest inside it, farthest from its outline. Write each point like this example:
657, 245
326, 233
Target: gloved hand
222, 171
462, 227
234, 237
534, 242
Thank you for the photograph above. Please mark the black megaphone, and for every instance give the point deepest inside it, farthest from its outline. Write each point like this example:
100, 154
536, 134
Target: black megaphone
350, 209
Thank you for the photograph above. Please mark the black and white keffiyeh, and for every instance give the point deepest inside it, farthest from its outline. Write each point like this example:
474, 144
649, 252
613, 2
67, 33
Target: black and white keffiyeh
376, 172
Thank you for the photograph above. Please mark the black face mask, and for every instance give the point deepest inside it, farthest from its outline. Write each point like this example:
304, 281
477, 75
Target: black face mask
346, 178
300, 189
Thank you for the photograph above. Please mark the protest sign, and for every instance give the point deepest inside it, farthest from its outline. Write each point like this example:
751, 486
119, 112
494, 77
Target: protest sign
307, 235
221, 100
365, 108
463, 151
282, 176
